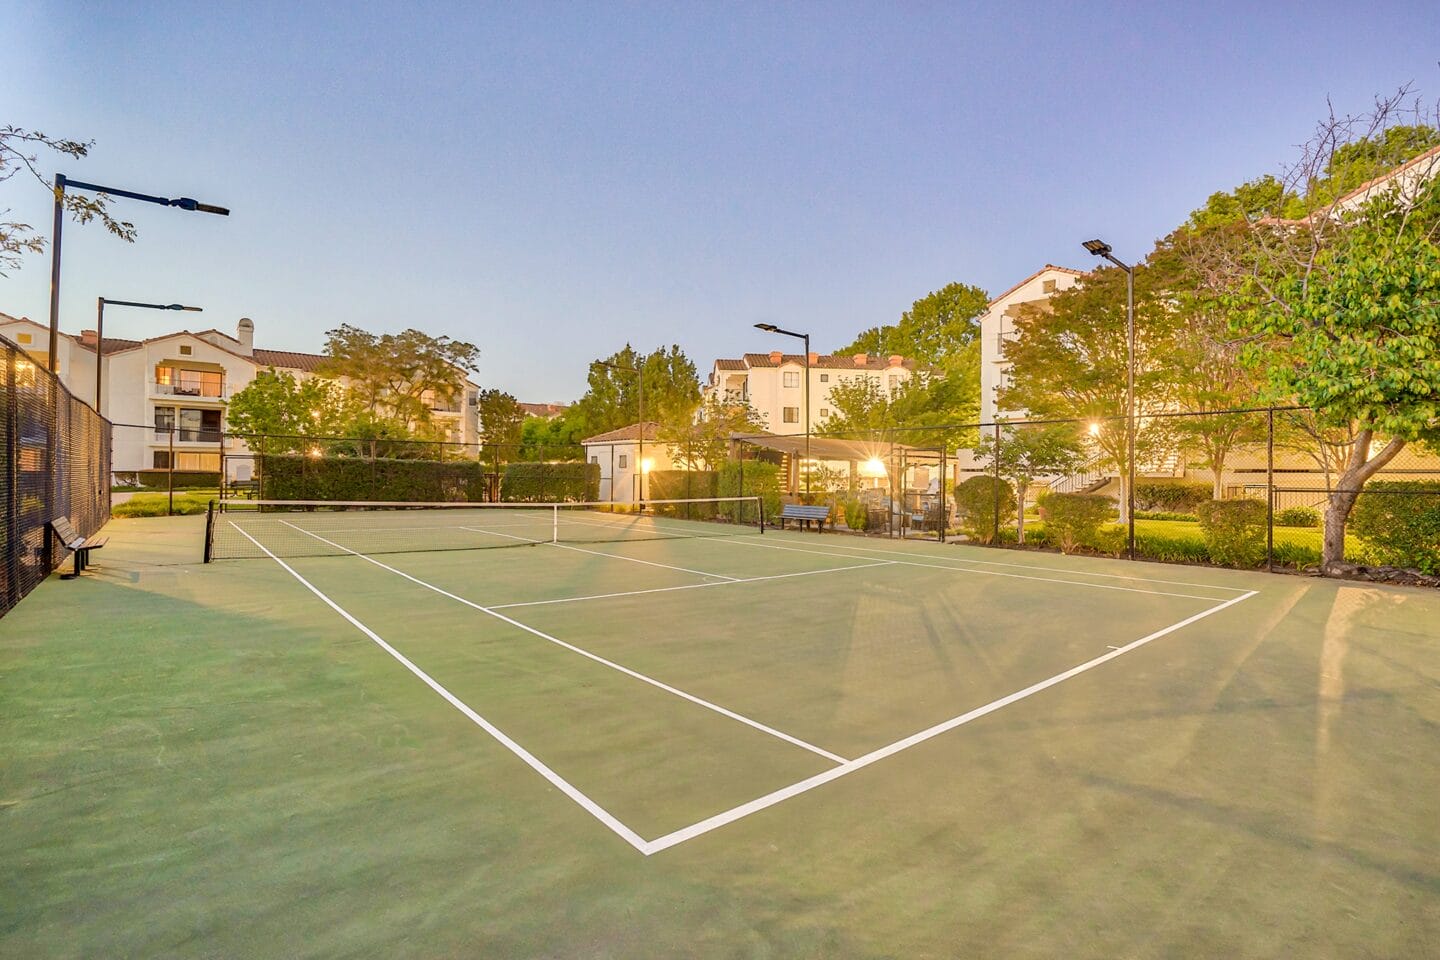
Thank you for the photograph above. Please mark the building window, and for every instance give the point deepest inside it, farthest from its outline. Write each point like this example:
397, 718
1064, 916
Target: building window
792, 378
894, 382
624, 461
1048, 286
792, 414
186, 350
824, 378
824, 413
24, 338
161, 460
595, 460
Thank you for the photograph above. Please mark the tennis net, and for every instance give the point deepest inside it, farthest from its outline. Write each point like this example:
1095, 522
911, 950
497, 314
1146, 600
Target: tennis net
237, 529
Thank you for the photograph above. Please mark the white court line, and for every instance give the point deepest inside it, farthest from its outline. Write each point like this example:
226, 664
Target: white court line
986, 573
690, 586
850, 766
590, 806
1026, 566
699, 701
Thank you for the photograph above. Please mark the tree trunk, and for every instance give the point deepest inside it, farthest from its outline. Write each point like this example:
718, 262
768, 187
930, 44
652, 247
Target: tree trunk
1217, 467
1124, 497
1359, 468
1020, 490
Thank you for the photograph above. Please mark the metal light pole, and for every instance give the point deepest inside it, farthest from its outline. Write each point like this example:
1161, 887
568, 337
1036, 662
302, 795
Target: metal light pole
100, 303
771, 328
1102, 249
62, 183
640, 381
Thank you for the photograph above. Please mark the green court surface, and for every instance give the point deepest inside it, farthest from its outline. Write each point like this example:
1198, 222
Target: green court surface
788, 745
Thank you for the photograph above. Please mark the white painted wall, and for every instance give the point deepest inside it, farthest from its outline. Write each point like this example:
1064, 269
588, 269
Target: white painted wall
996, 327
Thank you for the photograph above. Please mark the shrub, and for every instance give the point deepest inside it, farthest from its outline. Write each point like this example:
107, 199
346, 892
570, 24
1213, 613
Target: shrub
1165, 515
157, 505
1399, 520
1179, 497
761, 479
1170, 548
680, 484
1074, 519
1234, 531
1107, 540
977, 502
855, 514
293, 477
160, 479
1297, 517
550, 482
1297, 555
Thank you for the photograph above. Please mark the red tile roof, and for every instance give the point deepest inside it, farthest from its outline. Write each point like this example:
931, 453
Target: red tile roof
289, 359
543, 409
824, 361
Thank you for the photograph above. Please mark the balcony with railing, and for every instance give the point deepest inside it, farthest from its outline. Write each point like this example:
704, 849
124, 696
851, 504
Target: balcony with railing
189, 435
192, 384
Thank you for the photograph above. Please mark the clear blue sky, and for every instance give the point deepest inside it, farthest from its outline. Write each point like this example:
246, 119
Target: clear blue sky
550, 181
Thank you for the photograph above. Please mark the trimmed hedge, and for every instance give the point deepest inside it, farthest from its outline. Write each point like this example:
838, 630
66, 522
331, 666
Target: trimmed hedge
761, 479
1234, 531
1400, 521
550, 482
1165, 515
293, 477
158, 479
681, 484
1178, 497
1073, 519
977, 500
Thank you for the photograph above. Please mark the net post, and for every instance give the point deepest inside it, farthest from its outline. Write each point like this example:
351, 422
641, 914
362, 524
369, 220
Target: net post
760, 509
555, 523
209, 531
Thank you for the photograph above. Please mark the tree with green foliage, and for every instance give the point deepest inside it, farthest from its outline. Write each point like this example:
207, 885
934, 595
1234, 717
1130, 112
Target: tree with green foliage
1069, 361
550, 438
700, 440
501, 418
18, 148
861, 407
937, 330
611, 400
402, 376
1027, 452
285, 409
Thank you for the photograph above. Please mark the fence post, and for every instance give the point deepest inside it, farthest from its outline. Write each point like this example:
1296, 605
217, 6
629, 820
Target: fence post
944, 496
1270, 489
170, 473
997, 482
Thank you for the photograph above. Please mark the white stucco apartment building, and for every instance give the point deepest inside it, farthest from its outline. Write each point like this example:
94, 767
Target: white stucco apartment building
774, 383
184, 381
997, 327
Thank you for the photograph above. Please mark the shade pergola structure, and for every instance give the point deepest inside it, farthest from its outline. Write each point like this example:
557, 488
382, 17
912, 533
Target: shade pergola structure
879, 468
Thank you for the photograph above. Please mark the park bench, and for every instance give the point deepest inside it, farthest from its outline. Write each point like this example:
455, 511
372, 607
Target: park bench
804, 515
80, 546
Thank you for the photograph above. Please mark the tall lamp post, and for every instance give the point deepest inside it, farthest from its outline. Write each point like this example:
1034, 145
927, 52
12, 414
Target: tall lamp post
640, 457
771, 328
63, 183
1102, 249
100, 304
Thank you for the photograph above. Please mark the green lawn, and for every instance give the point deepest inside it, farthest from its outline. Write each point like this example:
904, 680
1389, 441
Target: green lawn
209, 760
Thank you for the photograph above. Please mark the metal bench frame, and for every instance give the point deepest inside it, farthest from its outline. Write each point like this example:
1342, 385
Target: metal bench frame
79, 546
805, 515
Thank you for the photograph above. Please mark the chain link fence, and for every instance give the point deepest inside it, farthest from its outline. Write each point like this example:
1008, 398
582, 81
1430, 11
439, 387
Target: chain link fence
57, 464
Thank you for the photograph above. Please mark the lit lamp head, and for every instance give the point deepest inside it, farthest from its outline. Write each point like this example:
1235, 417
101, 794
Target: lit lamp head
873, 468
1097, 247
647, 465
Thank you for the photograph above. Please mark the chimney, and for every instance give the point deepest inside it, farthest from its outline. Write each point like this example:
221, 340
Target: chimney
88, 338
245, 333
896, 360
861, 359
814, 358
776, 356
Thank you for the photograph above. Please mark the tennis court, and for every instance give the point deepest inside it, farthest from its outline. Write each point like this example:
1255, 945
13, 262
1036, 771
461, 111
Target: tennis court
573, 732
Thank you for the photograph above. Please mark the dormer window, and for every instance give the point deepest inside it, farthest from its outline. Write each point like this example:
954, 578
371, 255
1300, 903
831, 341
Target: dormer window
24, 338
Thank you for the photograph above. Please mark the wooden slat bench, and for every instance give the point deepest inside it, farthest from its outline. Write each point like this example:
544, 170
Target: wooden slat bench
79, 545
804, 515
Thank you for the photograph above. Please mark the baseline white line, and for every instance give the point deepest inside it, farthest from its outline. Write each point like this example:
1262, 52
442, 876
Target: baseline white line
795, 789
699, 701
986, 573
1026, 566
689, 586
598, 553
590, 806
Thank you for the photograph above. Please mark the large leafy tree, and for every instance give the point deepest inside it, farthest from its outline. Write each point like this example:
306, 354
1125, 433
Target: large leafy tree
1023, 453
926, 408
1353, 331
612, 395
700, 440
19, 153
551, 438
501, 419
1069, 361
937, 330
279, 412
401, 376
